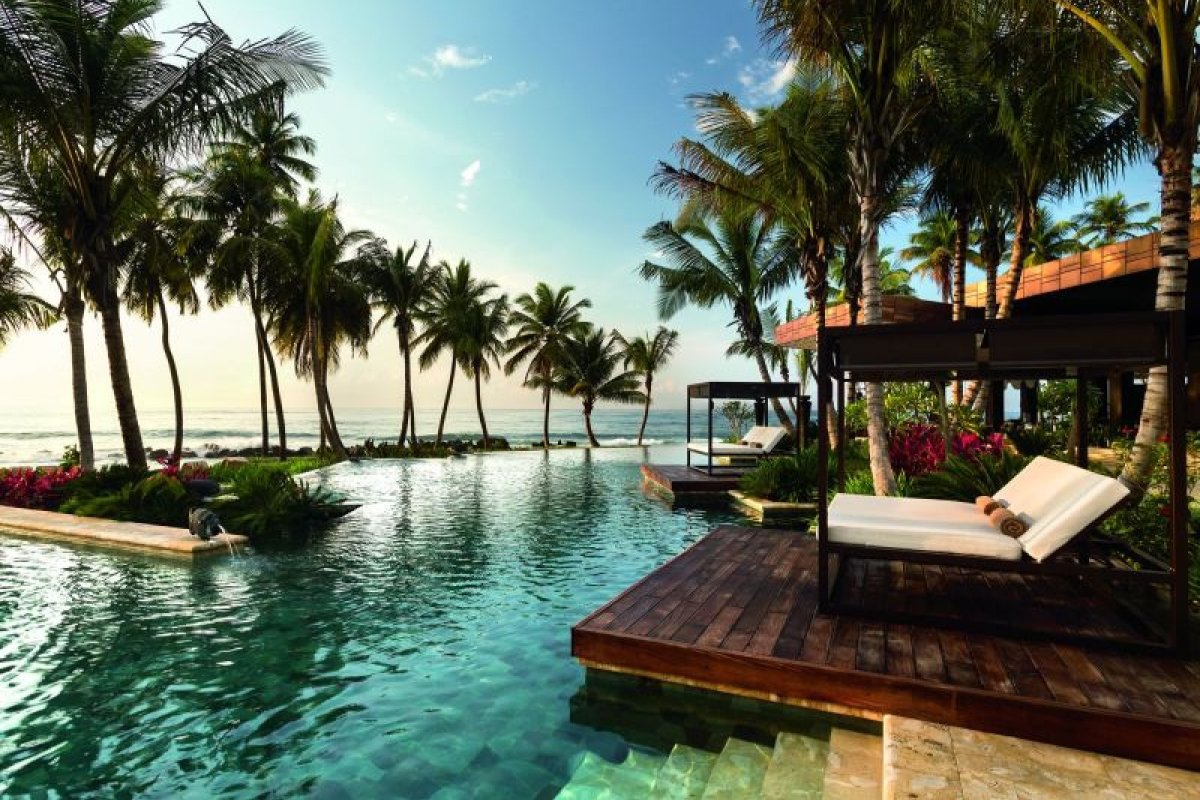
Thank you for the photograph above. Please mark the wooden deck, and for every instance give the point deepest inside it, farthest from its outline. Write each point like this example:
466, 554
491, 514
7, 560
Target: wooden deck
679, 480
737, 613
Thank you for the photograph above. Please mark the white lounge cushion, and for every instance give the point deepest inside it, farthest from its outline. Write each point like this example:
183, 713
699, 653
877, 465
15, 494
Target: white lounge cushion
904, 523
725, 449
1058, 500
766, 437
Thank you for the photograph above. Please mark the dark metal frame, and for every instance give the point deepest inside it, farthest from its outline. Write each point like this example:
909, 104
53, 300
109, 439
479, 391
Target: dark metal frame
760, 393
1006, 350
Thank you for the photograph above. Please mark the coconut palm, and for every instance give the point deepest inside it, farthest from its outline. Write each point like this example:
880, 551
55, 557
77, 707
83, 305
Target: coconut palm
159, 270
238, 193
894, 280
316, 294
446, 318
1110, 218
87, 84
591, 371
933, 246
722, 261
544, 322
19, 308
400, 288
484, 344
1156, 42
1050, 239
646, 355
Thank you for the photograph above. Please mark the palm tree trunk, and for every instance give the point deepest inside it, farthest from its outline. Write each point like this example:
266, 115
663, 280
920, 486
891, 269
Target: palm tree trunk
546, 409
446, 402
1174, 164
1024, 220
868, 224
487, 441
122, 385
74, 308
407, 378
962, 230
765, 373
276, 396
176, 391
320, 377
588, 405
646, 410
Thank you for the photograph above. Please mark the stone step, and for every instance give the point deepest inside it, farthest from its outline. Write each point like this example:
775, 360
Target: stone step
598, 779
797, 768
685, 775
738, 772
854, 768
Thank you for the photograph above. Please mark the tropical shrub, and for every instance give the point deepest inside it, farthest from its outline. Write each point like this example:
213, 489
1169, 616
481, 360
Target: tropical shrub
965, 478
861, 482
918, 449
908, 403
266, 503
156, 499
790, 479
105, 480
1035, 440
35, 488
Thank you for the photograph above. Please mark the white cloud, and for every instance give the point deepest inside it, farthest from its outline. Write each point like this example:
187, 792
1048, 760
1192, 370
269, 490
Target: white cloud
765, 80
471, 172
732, 45
460, 205
678, 78
503, 95
447, 57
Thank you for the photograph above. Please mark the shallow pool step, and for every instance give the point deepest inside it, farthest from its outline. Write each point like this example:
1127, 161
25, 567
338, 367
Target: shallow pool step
597, 779
685, 775
854, 768
738, 772
797, 768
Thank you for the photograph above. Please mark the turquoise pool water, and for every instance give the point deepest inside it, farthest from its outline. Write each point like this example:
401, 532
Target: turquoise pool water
419, 649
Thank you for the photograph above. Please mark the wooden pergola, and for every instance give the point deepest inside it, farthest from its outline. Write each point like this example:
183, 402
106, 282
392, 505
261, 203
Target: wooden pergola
1038, 348
758, 392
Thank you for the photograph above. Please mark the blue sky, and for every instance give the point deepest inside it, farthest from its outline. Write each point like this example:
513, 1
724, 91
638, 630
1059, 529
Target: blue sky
519, 135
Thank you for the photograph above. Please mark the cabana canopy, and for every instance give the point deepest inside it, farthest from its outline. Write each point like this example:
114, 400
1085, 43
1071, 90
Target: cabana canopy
757, 392
1010, 350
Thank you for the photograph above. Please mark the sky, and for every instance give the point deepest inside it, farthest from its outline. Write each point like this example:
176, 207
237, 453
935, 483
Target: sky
518, 135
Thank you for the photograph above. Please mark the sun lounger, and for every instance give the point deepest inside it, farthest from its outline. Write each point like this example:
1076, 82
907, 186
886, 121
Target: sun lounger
759, 442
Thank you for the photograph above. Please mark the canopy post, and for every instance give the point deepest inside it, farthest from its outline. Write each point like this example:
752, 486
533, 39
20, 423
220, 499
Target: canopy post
824, 385
1177, 453
1082, 422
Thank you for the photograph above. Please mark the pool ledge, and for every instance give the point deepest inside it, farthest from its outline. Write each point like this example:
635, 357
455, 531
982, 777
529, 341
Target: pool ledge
110, 534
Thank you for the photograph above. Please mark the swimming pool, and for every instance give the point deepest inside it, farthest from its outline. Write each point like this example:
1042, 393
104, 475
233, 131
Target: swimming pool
419, 649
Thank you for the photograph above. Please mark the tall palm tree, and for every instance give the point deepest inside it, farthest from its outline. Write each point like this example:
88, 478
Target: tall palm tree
894, 280
159, 269
934, 247
317, 297
456, 291
1110, 218
725, 261
592, 373
19, 308
400, 289
87, 83
544, 322
1156, 42
875, 49
484, 344
239, 192
646, 355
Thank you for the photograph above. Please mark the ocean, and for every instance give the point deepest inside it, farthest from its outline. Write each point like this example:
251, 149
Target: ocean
38, 437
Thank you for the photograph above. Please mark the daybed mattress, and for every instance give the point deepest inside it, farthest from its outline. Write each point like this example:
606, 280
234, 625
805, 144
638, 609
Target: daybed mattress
935, 526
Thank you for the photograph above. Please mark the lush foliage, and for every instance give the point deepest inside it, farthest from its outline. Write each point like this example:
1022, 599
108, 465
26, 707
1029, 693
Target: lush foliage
35, 488
917, 449
156, 499
265, 503
907, 403
790, 478
964, 478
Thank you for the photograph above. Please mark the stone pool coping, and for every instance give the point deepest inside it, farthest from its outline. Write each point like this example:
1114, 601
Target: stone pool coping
111, 534
767, 510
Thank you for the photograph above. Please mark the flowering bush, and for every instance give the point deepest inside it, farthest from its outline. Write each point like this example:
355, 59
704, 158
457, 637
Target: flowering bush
35, 488
918, 449
183, 472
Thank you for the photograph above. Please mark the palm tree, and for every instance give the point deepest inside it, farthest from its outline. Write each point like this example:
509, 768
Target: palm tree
239, 192
484, 344
1109, 218
591, 372
88, 85
894, 280
455, 292
646, 355
400, 289
875, 49
1050, 239
544, 322
1156, 43
159, 269
723, 262
933, 246
316, 294
19, 308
